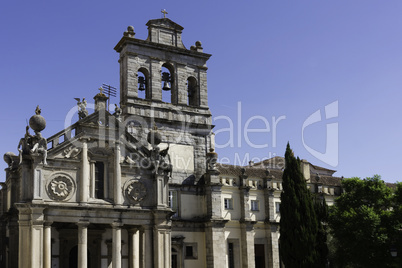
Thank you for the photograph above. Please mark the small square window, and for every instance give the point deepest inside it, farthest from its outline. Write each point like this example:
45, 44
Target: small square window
190, 250
228, 203
255, 205
278, 206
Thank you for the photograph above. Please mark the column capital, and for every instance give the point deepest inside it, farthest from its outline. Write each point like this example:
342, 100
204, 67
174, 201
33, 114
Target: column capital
83, 223
85, 139
116, 225
134, 229
47, 223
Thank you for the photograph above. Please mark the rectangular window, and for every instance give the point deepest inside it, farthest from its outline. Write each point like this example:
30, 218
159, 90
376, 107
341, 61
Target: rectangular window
278, 206
99, 180
173, 204
319, 189
255, 205
190, 250
231, 255
228, 203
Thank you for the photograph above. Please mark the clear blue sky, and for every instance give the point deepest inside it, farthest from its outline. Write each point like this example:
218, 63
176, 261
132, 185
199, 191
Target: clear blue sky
277, 58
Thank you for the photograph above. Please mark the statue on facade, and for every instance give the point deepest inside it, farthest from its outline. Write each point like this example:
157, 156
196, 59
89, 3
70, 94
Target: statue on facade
34, 144
24, 146
82, 108
159, 160
117, 112
39, 145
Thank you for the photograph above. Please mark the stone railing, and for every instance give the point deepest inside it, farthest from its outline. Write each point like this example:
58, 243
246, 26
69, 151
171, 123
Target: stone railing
60, 138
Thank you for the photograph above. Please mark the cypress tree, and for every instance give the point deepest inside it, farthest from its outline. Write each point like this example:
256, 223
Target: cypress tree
298, 224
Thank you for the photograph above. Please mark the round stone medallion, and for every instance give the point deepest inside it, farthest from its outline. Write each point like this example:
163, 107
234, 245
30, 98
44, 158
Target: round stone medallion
136, 191
60, 188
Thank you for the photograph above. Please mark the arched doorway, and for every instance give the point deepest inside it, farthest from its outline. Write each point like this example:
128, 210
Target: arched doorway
73, 258
175, 258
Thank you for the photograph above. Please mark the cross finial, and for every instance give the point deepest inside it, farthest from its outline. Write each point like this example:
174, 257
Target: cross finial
164, 12
101, 90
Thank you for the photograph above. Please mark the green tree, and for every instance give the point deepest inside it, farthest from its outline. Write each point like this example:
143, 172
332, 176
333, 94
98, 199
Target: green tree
362, 221
298, 224
321, 211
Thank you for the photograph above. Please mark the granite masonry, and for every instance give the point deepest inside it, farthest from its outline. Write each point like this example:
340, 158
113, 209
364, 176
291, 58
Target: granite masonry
140, 186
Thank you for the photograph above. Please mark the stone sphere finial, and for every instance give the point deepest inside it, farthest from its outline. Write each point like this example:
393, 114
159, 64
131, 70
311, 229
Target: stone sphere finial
37, 122
130, 32
198, 44
154, 137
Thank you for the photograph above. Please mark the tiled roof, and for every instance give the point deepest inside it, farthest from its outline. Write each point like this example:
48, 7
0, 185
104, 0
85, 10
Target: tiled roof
259, 171
254, 171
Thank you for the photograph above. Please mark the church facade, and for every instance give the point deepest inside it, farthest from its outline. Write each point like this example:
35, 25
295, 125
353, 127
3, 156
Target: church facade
141, 187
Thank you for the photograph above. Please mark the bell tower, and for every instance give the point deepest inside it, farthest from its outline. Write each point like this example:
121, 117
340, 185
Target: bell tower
162, 66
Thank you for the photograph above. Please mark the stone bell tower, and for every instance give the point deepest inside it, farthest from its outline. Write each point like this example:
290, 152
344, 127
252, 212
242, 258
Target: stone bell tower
162, 65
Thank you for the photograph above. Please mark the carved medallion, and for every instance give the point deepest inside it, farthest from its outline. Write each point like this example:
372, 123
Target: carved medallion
136, 191
60, 188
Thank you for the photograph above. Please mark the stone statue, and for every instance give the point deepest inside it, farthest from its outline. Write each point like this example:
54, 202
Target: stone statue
39, 145
82, 108
34, 144
159, 159
25, 143
117, 112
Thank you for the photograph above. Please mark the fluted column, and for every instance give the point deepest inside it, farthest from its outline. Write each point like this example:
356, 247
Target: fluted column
117, 176
116, 248
84, 180
82, 244
134, 255
47, 245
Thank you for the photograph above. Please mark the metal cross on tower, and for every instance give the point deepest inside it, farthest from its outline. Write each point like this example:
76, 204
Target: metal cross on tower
164, 12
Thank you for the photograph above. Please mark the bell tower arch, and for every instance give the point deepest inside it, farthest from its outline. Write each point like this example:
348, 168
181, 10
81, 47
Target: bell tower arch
174, 79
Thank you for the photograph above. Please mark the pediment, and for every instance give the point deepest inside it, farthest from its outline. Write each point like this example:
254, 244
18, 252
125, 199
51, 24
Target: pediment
165, 23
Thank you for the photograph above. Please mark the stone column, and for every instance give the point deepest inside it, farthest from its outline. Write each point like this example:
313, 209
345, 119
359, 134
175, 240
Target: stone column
82, 244
84, 179
148, 247
47, 245
36, 237
116, 250
161, 249
24, 251
117, 176
13, 242
134, 254
269, 201
156, 80
216, 244
247, 245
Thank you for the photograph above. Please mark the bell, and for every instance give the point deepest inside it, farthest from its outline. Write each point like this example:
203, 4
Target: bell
166, 86
166, 80
141, 81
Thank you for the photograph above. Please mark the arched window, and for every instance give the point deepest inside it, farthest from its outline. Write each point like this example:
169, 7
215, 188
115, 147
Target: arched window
143, 84
167, 83
192, 92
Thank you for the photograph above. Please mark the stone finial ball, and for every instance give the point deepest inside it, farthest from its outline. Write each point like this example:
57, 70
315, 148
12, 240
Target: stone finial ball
37, 123
198, 44
130, 28
154, 137
8, 157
